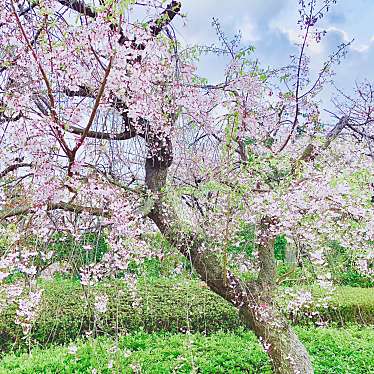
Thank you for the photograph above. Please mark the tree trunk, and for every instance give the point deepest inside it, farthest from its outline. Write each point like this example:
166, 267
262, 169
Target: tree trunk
286, 352
253, 300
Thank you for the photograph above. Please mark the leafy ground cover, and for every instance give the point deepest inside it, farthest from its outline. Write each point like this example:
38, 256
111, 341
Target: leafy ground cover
333, 350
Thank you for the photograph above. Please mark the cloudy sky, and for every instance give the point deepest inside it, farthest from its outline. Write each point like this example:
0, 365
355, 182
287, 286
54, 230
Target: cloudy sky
271, 26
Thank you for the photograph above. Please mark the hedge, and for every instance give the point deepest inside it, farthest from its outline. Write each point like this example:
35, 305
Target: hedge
173, 305
348, 305
165, 305
333, 351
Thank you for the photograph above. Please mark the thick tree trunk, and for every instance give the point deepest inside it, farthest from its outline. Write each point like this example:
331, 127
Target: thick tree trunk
287, 353
253, 300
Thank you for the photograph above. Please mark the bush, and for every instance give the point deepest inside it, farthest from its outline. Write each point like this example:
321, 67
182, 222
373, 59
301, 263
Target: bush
245, 238
351, 304
172, 304
343, 267
348, 305
354, 279
67, 249
332, 351
280, 246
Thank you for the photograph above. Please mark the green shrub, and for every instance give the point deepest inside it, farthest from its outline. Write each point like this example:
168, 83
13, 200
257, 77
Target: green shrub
280, 246
245, 238
166, 304
351, 304
173, 305
154, 353
354, 279
333, 351
290, 275
66, 248
348, 305
344, 270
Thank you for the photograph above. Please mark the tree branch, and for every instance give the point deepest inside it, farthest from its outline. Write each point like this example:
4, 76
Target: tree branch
27, 209
104, 135
80, 7
86, 130
155, 26
165, 17
311, 151
129, 132
56, 130
13, 167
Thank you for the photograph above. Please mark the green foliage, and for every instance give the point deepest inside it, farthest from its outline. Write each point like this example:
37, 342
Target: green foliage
165, 304
66, 248
348, 305
280, 246
244, 242
342, 264
290, 275
168, 265
351, 304
340, 351
172, 305
155, 353
333, 351
354, 279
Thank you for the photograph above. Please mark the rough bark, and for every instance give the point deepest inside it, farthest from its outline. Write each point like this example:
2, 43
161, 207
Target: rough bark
254, 300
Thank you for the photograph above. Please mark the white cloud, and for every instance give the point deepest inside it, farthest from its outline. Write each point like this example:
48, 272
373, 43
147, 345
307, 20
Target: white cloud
344, 35
271, 26
295, 37
362, 48
249, 31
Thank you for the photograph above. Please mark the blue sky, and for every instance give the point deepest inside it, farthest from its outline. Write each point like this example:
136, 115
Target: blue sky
271, 26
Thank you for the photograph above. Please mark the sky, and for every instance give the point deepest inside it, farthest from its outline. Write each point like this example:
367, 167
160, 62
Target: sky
271, 27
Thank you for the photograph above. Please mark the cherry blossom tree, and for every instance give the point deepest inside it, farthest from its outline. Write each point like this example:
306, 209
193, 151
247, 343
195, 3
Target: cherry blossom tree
106, 127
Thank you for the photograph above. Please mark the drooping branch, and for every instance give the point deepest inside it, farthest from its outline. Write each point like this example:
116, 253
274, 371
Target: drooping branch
32, 43
129, 132
86, 130
23, 12
360, 132
13, 167
4, 118
83, 91
27, 209
298, 85
80, 7
57, 126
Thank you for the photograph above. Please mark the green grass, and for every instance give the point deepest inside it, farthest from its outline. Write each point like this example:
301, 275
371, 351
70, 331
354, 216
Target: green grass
334, 351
